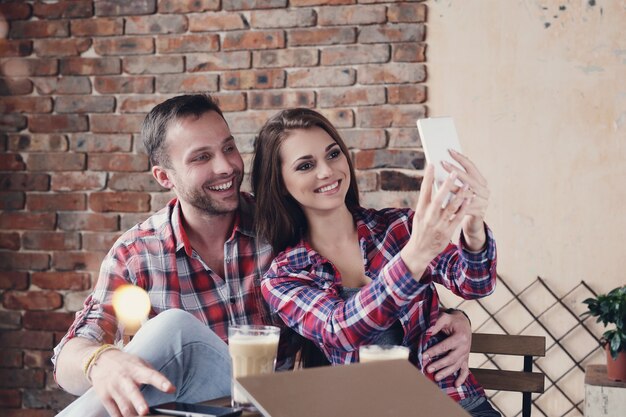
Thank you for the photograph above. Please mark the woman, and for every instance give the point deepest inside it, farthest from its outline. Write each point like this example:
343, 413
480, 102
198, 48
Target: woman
347, 276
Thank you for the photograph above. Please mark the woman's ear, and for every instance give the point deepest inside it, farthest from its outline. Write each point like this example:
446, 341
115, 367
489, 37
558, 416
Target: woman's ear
162, 176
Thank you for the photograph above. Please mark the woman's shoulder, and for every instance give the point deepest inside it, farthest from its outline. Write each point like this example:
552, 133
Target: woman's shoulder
298, 256
374, 218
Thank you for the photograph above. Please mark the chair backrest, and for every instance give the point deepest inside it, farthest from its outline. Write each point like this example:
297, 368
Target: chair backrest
525, 381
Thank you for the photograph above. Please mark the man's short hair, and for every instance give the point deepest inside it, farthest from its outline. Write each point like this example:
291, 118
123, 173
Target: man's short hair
154, 127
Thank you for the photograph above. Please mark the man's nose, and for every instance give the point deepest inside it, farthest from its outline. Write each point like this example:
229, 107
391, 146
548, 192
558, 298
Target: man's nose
222, 164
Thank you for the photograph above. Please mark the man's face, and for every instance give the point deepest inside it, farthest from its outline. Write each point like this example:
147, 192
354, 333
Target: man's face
206, 169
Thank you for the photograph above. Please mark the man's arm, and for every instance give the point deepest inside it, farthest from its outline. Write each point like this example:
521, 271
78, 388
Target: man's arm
456, 347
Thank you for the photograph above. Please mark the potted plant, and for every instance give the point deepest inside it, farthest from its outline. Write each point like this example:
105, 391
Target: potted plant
610, 308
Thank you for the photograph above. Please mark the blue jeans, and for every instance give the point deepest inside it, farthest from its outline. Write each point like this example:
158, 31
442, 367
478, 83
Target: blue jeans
479, 407
183, 349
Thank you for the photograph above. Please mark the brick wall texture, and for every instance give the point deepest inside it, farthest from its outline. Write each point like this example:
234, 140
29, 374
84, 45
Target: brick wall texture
76, 79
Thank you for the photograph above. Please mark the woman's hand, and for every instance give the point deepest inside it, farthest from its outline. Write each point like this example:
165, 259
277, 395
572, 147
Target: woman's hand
433, 222
473, 224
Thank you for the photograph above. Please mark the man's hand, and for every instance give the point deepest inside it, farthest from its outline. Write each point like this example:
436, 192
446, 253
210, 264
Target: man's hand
456, 347
116, 377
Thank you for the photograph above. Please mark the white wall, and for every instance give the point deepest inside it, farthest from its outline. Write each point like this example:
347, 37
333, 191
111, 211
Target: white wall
542, 112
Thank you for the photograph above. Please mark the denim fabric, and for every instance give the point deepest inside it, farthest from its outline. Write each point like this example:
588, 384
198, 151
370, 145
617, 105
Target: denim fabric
479, 407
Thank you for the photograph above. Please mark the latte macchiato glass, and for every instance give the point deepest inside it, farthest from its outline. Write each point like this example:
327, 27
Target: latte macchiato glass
372, 353
253, 351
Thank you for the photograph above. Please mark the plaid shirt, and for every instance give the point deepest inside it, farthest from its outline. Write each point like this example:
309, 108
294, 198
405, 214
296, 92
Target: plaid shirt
157, 256
304, 288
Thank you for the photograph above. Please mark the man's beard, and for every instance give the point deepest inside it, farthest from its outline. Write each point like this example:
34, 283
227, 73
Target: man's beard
199, 199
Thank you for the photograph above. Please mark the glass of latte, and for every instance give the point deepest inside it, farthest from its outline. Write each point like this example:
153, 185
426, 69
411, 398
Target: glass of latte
372, 353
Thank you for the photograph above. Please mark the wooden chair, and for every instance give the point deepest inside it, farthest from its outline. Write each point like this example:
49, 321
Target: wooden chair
525, 381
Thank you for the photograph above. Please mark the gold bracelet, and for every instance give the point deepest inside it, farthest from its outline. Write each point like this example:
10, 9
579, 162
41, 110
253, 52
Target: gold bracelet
89, 363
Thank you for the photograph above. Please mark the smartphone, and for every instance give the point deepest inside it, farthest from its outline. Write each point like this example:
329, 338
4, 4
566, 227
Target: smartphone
194, 410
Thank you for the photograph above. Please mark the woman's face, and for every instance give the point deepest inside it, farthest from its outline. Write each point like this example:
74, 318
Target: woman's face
315, 171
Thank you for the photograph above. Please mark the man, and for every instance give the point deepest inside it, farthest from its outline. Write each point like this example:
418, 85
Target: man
201, 264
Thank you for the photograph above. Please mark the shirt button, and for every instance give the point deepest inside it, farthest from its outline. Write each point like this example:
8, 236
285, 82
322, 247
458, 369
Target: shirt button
227, 260
233, 300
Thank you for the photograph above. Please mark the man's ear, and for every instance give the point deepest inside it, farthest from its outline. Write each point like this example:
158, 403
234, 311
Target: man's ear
162, 176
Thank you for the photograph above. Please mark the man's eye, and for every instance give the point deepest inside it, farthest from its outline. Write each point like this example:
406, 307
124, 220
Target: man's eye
304, 167
201, 157
229, 148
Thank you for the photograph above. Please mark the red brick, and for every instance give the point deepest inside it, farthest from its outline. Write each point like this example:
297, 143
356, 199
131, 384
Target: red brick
367, 180
39, 29
56, 202
44, 398
124, 85
340, 118
91, 66
153, 64
24, 261
38, 358
15, 86
399, 181
321, 36
26, 105
300, 3
13, 280
37, 143
62, 85
11, 162
84, 104
26, 339
215, 22
252, 4
156, 24
406, 94
364, 138
12, 122
27, 221
63, 9
75, 281
187, 43
186, 83
123, 8
355, 54
9, 240
281, 99
398, 73
58, 123
404, 138
59, 161
21, 378
218, 61
111, 142
134, 104
406, 12
321, 77
30, 413
35, 320
246, 40
124, 46
389, 158
61, 47
15, 48
231, 101
119, 202
99, 241
188, 6
391, 116
51, 241
32, 300
88, 221
20, 67
77, 261
392, 33
143, 181
249, 121
114, 123
409, 52
24, 182
282, 18
10, 398
253, 79
129, 220
78, 181
351, 15
286, 58
97, 27
15, 10
10, 320
11, 200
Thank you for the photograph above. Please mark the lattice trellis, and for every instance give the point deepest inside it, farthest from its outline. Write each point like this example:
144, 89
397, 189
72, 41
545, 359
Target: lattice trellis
571, 343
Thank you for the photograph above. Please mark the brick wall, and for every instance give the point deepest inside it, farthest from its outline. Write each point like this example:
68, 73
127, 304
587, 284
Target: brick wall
77, 78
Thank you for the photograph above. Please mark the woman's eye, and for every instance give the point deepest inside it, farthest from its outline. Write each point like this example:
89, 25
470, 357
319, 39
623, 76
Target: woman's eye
304, 167
334, 154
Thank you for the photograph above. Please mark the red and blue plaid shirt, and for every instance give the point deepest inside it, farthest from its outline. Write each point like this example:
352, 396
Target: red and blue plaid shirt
304, 289
156, 255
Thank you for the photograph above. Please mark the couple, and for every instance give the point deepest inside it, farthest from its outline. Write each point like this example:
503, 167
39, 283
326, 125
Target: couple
202, 264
